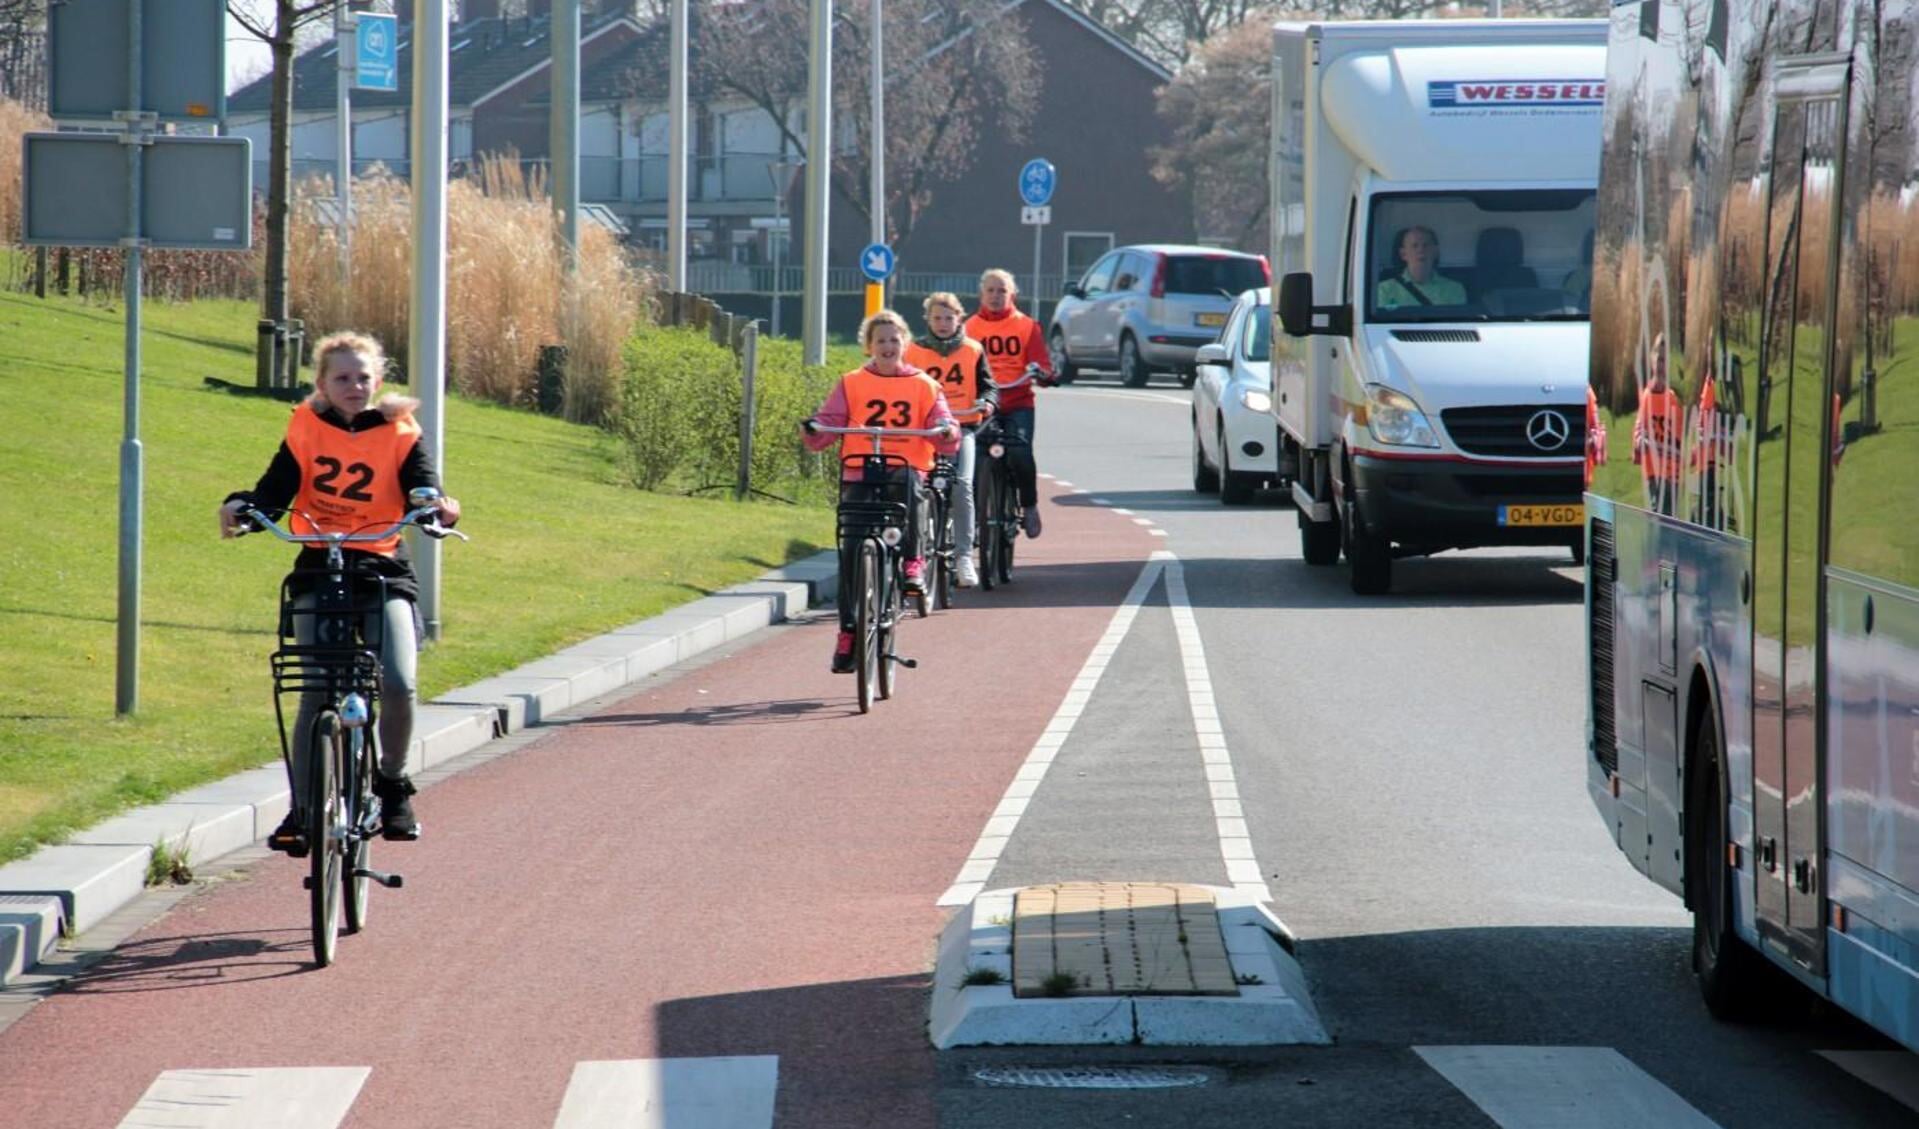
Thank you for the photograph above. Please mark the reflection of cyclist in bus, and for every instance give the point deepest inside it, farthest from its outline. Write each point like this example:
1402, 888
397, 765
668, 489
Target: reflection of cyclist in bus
1656, 432
1013, 341
347, 464
1595, 436
958, 364
885, 392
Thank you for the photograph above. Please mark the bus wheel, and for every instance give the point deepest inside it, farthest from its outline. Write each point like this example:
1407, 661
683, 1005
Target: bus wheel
1731, 975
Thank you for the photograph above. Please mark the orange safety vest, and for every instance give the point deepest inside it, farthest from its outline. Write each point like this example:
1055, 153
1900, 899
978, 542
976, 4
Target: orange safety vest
349, 480
954, 372
1004, 340
1658, 427
905, 400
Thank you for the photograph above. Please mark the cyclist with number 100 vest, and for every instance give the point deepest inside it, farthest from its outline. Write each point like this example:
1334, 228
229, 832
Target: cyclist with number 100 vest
885, 392
1013, 342
957, 363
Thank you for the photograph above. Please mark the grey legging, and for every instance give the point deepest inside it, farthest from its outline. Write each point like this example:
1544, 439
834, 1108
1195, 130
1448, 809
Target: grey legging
399, 689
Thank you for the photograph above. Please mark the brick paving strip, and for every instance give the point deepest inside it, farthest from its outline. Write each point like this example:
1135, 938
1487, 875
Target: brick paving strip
1118, 939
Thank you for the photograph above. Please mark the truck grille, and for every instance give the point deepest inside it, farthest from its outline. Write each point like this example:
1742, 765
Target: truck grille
1502, 430
1602, 566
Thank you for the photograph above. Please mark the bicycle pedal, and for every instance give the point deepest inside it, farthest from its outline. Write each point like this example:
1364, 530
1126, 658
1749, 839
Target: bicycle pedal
910, 664
390, 881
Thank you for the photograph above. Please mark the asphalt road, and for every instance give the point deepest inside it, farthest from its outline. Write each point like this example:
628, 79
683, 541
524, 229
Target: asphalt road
727, 867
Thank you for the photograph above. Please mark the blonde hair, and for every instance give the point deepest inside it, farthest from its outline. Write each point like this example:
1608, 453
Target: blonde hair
942, 300
347, 341
883, 317
1003, 275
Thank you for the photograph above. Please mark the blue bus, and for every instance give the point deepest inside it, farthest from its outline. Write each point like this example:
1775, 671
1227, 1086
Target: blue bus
1752, 467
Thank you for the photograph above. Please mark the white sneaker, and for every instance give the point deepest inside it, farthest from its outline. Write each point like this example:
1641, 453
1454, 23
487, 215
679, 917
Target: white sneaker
1032, 522
964, 573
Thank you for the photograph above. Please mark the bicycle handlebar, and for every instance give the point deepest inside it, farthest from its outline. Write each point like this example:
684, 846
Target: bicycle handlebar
1033, 372
880, 432
261, 523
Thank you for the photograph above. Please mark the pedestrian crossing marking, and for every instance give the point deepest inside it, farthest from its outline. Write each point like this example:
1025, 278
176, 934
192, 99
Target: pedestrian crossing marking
307, 1097
1562, 1088
672, 1093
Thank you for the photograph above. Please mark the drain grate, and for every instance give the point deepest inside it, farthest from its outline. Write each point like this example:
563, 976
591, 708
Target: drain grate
1093, 1077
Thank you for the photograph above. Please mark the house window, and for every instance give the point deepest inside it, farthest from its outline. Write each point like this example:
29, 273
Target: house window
1083, 248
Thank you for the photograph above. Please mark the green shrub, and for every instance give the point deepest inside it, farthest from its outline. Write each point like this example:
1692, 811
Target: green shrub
680, 411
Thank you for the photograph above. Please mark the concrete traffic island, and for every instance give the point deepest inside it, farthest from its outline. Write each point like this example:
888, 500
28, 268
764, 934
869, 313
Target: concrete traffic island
1154, 963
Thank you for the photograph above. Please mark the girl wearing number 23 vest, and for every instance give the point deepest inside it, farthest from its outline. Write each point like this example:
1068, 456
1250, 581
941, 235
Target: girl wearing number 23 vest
885, 392
346, 465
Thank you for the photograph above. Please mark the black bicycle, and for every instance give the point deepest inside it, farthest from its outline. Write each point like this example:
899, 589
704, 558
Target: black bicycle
872, 526
936, 590
996, 496
336, 655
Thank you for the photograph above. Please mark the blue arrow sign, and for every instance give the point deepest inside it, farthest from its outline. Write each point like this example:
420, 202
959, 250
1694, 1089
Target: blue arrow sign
876, 262
376, 62
1037, 179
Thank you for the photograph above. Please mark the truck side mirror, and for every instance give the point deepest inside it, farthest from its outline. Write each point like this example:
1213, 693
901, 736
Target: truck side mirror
1296, 309
1296, 303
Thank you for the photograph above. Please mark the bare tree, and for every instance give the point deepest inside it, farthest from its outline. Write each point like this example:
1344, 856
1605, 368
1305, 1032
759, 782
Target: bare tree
954, 68
23, 71
279, 23
1219, 109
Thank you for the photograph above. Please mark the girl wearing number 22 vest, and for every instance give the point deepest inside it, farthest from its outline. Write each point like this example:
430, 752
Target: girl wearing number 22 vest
347, 465
885, 392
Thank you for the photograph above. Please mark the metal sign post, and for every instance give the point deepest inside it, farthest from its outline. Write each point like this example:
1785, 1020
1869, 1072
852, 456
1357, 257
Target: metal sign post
877, 263
1037, 180
345, 47
126, 675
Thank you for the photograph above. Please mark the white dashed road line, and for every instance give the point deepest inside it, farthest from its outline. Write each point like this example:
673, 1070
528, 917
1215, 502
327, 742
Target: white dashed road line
1562, 1088
295, 1097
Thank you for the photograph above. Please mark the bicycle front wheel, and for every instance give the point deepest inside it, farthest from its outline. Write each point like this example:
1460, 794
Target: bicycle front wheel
1008, 527
986, 529
324, 843
889, 622
356, 783
866, 627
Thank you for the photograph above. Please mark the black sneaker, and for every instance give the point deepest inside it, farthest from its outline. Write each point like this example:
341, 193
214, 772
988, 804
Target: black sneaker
290, 836
396, 807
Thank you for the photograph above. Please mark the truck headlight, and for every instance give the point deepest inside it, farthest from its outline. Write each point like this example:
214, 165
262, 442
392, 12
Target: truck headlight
1395, 419
1256, 399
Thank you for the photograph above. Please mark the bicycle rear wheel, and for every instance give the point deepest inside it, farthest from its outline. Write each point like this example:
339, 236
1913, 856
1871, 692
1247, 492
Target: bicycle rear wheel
357, 783
889, 621
1008, 527
324, 755
866, 651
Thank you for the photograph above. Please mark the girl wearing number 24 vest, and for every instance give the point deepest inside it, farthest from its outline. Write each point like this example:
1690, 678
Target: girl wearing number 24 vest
885, 392
347, 464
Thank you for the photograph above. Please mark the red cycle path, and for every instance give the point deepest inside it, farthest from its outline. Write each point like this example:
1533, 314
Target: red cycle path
732, 863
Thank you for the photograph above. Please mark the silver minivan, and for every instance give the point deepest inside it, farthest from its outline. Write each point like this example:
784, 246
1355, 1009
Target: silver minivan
1147, 308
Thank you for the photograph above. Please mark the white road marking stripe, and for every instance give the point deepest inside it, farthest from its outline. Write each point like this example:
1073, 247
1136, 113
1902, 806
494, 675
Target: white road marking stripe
1235, 842
1061, 482
1894, 1073
1157, 532
1142, 521
672, 1093
314, 1097
986, 851
1562, 1088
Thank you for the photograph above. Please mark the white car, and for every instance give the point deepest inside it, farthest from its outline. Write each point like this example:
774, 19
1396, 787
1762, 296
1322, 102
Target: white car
1235, 437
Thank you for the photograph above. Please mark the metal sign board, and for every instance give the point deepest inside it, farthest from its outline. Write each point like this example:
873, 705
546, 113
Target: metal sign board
876, 262
196, 193
1037, 179
1043, 214
376, 57
183, 59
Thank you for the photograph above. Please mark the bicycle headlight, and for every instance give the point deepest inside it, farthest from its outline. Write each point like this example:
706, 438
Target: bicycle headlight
1256, 399
353, 711
892, 536
1395, 419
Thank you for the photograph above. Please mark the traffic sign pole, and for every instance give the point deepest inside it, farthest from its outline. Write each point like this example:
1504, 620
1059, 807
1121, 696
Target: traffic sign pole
126, 683
875, 297
1037, 179
346, 52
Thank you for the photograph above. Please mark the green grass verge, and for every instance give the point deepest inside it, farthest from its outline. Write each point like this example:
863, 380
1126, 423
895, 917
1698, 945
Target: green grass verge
562, 550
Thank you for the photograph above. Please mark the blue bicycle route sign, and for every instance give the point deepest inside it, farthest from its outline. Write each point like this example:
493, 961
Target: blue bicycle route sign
1037, 179
876, 262
377, 56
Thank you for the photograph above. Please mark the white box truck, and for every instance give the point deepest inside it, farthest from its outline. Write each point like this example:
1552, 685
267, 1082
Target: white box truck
1433, 185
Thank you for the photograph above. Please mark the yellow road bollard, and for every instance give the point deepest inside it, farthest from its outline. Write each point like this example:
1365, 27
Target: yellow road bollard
875, 297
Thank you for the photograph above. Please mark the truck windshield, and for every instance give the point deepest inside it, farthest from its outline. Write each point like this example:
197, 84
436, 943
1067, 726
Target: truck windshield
1512, 255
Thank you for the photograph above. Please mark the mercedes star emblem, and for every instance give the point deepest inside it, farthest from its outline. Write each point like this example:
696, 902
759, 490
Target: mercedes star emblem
1548, 430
